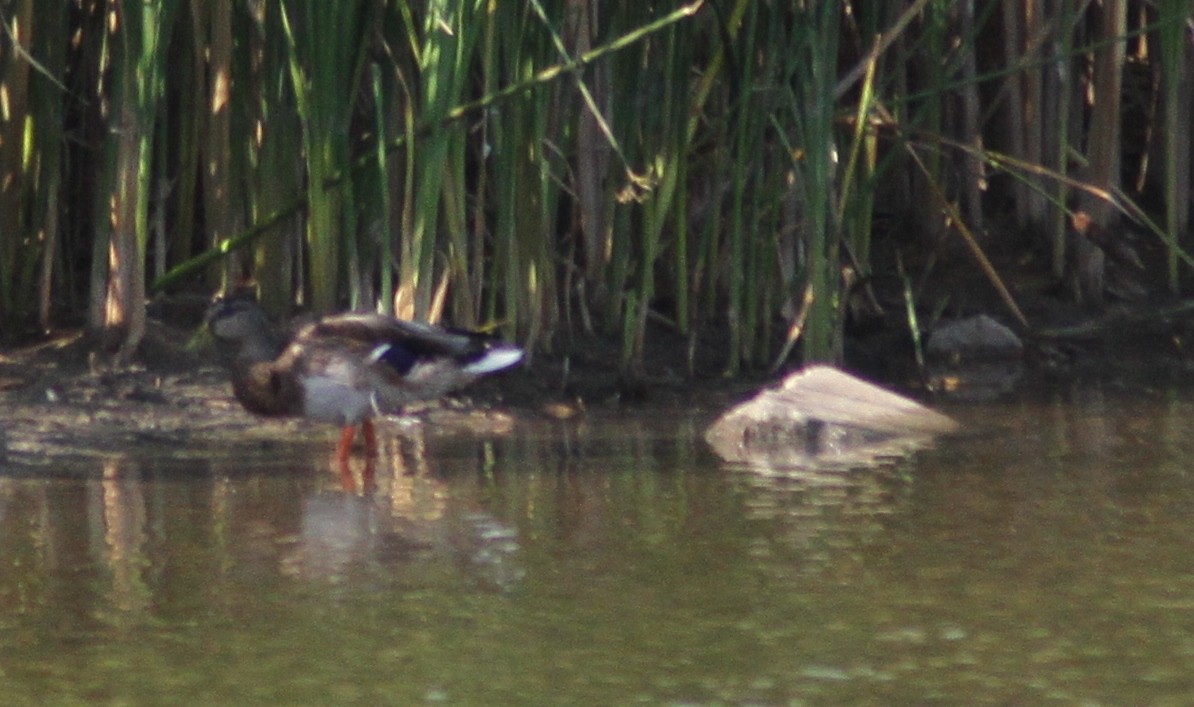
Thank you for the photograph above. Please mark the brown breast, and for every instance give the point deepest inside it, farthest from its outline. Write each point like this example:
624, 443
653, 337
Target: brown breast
264, 390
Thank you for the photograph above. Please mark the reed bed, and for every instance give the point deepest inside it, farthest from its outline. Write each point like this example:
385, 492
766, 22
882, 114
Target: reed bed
736, 178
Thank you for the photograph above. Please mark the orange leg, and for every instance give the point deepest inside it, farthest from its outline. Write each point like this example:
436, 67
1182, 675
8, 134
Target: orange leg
370, 438
346, 436
348, 481
368, 474
344, 448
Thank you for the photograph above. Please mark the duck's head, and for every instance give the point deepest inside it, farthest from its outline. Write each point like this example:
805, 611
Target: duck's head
241, 329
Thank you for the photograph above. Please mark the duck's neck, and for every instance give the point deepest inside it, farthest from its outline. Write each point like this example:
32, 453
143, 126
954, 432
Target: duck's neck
241, 353
264, 389
261, 348
262, 385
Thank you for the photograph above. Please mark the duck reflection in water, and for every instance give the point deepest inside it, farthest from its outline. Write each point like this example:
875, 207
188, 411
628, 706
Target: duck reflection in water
409, 519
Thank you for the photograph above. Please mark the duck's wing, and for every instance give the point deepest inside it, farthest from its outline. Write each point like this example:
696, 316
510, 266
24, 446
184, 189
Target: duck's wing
376, 329
402, 346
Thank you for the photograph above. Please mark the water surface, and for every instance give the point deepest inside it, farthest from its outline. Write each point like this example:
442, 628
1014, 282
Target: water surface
1042, 556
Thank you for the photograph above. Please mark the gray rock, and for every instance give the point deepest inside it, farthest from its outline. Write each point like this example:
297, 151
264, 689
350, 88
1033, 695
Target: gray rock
973, 338
824, 418
975, 358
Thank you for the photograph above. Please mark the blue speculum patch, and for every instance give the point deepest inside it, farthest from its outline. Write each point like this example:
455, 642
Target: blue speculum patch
396, 356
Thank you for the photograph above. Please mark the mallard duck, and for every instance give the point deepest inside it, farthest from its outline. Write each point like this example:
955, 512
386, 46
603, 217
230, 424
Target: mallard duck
347, 368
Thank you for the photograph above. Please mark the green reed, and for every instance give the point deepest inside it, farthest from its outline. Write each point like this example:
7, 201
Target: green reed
139, 50
326, 44
639, 171
1178, 107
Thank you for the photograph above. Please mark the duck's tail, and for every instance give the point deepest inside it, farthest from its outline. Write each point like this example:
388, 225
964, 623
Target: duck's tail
495, 358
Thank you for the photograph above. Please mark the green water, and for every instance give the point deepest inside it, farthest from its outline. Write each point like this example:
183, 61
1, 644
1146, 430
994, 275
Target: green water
1042, 557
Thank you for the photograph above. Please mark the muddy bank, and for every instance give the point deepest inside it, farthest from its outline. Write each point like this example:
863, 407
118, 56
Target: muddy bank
60, 398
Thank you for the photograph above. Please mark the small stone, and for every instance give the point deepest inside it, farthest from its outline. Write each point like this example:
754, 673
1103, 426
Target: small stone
979, 338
